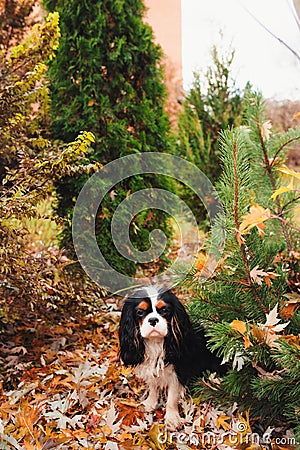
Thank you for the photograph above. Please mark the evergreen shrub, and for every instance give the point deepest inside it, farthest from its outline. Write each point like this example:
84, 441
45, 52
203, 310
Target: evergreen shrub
107, 78
250, 305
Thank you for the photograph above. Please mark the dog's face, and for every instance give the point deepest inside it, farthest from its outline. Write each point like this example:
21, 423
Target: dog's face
152, 314
147, 315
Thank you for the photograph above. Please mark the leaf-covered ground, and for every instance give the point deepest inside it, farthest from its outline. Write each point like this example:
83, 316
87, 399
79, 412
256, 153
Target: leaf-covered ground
64, 387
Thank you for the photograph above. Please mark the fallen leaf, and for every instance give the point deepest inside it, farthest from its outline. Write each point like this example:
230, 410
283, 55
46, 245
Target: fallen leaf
280, 191
221, 422
266, 130
290, 172
290, 306
256, 217
239, 326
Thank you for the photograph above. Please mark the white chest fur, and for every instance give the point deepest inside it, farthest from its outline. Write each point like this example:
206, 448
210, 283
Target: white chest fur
153, 369
160, 378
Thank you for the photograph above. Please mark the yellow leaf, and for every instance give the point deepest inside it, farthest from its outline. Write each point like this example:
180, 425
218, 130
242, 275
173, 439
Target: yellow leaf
281, 190
288, 171
255, 218
154, 438
244, 425
221, 422
106, 429
239, 326
91, 102
296, 115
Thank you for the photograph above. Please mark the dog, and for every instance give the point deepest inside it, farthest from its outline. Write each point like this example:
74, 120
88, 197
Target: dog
157, 338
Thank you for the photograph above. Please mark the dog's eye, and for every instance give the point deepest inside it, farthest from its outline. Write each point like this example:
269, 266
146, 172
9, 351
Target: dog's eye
140, 313
163, 310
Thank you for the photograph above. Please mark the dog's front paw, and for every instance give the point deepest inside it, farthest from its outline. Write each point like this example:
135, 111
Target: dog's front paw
172, 420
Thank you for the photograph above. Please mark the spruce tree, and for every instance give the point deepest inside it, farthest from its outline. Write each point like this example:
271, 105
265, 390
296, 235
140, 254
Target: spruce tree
107, 78
249, 306
212, 104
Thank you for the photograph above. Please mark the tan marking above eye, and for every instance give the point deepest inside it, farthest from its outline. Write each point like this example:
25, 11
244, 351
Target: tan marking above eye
143, 305
160, 304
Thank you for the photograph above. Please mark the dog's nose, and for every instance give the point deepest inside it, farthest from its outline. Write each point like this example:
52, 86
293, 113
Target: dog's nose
153, 321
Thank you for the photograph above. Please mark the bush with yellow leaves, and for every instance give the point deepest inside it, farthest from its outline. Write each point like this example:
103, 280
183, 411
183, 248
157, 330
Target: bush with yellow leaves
29, 165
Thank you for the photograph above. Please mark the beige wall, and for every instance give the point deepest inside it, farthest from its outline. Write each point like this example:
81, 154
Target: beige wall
164, 16
297, 6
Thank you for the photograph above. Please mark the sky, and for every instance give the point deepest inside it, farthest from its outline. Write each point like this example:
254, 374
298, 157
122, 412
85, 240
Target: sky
259, 57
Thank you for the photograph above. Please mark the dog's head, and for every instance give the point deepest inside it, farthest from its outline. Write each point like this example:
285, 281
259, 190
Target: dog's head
151, 314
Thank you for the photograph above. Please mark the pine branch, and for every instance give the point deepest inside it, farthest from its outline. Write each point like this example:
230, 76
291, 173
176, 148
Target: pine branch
237, 226
281, 148
218, 305
268, 167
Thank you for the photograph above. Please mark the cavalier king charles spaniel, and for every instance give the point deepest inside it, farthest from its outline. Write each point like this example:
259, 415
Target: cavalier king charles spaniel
157, 338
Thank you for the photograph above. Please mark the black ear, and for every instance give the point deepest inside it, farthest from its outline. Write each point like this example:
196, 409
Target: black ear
132, 346
180, 329
181, 346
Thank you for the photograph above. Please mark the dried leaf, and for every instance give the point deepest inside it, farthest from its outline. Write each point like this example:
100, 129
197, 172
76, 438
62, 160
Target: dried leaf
280, 191
295, 116
222, 422
258, 276
256, 217
289, 172
290, 306
266, 130
239, 326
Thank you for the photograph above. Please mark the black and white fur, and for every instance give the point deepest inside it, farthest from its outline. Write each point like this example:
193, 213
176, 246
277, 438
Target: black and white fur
157, 338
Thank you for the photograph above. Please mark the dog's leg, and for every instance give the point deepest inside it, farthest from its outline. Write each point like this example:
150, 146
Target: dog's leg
172, 418
151, 401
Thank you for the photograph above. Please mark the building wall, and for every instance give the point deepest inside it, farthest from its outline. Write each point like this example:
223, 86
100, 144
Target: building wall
164, 16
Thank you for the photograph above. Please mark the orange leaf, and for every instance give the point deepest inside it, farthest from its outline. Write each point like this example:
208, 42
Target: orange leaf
247, 342
124, 436
239, 238
201, 261
291, 339
239, 326
257, 333
221, 422
290, 305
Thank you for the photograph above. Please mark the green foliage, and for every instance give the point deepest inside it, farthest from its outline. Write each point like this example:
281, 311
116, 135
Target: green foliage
22, 72
249, 306
30, 164
206, 111
107, 78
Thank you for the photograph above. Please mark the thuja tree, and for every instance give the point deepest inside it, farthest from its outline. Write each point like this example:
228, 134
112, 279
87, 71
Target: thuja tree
107, 78
212, 104
249, 306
